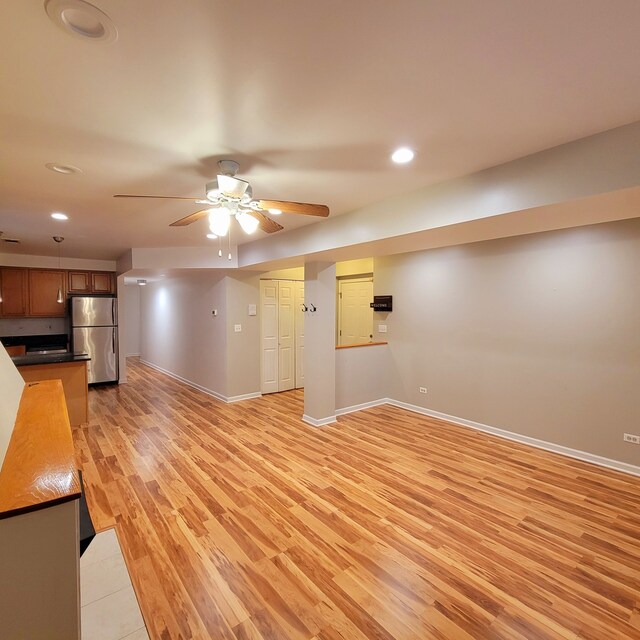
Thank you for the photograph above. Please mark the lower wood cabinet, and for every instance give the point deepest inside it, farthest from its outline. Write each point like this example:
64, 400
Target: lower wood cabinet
44, 286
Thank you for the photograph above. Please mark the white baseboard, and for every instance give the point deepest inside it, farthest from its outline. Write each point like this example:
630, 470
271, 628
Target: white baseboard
132, 355
244, 396
318, 423
516, 437
360, 407
199, 387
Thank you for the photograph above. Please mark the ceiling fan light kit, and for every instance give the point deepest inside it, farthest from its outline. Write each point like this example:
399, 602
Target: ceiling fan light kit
248, 223
219, 220
228, 196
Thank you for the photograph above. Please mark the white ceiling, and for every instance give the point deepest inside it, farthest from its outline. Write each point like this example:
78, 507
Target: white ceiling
309, 98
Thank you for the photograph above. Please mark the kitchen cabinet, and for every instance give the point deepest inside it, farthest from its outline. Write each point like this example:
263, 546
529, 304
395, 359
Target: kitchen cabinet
87, 282
13, 289
44, 285
79, 282
101, 282
29, 292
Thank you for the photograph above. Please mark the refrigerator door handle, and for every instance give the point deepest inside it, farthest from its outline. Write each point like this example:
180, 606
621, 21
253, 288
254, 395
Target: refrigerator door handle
113, 340
113, 311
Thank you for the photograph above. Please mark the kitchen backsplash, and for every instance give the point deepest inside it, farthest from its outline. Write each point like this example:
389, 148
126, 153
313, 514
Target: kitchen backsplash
32, 326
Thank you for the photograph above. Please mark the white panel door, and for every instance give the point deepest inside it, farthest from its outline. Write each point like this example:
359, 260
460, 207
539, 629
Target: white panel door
355, 316
286, 335
269, 336
299, 314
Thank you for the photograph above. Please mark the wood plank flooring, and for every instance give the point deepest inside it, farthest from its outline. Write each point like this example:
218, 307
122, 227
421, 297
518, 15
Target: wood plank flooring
242, 522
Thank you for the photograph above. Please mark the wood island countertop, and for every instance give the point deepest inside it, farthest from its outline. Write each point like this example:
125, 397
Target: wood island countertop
39, 468
68, 367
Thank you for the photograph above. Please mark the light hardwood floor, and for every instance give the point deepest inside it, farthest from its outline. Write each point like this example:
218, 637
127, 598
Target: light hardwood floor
241, 521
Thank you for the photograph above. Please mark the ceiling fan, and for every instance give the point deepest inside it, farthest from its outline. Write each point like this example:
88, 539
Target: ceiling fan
228, 196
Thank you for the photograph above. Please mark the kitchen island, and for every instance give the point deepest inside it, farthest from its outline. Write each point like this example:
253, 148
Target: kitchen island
71, 368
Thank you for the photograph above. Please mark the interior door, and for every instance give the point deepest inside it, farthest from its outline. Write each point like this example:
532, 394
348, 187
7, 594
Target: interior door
299, 350
269, 336
286, 335
355, 316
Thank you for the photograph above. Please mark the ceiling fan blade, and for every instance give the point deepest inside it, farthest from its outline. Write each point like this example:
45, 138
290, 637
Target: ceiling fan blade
120, 195
231, 186
266, 224
192, 217
295, 207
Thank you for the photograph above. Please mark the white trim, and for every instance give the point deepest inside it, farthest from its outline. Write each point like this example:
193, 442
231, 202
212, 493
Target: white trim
318, 423
132, 355
243, 396
210, 392
516, 437
360, 407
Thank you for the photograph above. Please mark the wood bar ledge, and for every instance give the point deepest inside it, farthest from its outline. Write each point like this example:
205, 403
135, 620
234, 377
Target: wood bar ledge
363, 344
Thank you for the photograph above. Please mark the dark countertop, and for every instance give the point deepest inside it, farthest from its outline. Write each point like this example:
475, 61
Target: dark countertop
49, 358
53, 340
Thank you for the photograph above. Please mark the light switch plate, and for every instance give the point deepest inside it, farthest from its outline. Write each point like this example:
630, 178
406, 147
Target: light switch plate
252, 310
382, 328
237, 328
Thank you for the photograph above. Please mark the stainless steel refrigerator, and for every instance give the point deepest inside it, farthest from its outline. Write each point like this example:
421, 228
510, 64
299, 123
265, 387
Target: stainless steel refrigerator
94, 330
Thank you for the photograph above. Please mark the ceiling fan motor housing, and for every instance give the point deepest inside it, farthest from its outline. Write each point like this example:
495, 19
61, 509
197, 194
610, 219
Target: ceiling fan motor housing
228, 167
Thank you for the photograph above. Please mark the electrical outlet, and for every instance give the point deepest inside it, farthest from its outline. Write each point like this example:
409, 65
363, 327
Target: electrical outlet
422, 389
630, 437
382, 328
237, 328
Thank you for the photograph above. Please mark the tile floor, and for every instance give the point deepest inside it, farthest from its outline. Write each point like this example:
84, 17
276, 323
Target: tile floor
110, 610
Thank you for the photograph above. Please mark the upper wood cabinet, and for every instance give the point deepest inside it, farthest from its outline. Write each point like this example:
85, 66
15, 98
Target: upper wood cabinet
13, 292
101, 282
91, 282
26, 292
44, 285
79, 282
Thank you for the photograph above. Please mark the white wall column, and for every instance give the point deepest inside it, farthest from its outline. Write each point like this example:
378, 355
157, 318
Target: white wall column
320, 345
122, 330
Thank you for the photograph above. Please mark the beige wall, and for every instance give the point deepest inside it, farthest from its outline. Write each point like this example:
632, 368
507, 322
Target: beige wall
179, 333
538, 335
362, 375
243, 349
131, 306
319, 343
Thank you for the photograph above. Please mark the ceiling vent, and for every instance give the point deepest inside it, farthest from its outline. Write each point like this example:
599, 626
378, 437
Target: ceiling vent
9, 240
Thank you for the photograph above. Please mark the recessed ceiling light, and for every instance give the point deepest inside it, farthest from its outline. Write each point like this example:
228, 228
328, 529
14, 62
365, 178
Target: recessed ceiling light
211, 236
59, 216
62, 168
81, 19
275, 212
402, 155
